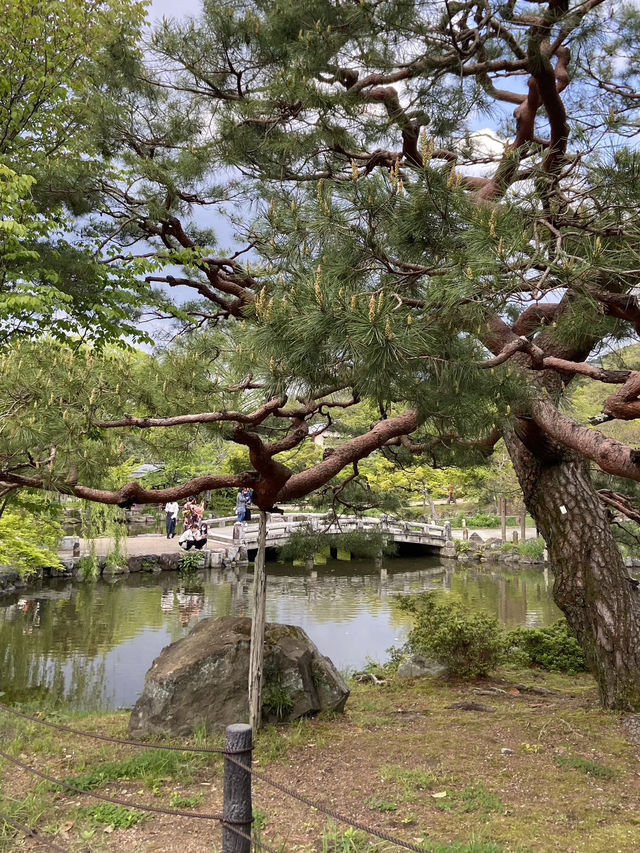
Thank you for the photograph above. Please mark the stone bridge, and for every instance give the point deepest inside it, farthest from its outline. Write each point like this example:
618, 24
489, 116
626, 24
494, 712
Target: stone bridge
280, 527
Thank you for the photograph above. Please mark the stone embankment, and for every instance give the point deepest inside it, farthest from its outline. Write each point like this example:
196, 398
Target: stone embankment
493, 549
153, 554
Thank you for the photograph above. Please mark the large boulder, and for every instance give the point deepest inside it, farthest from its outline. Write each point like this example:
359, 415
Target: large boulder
202, 679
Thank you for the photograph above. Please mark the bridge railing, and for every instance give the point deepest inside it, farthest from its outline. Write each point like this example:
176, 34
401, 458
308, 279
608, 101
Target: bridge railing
282, 526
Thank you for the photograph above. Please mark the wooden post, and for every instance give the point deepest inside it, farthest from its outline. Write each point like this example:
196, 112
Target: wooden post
514, 537
256, 650
523, 524
237, 790
503, 519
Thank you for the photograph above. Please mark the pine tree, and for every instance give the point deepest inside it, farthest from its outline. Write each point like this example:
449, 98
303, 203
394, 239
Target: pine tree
392, 250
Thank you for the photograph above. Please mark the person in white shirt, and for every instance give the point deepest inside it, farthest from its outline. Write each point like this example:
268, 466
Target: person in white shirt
186, 539
172, 509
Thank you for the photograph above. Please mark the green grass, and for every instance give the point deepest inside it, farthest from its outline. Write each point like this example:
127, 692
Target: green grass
180, 801
351, 840
277, 741
152, 766
585, 765
478, 846
473, 799
410, 784
377, 804
26, 811
108, 814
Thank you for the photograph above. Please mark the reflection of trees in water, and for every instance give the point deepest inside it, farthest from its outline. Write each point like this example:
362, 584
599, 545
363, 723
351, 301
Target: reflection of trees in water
54, 641
517, 597
338, 598
62, 655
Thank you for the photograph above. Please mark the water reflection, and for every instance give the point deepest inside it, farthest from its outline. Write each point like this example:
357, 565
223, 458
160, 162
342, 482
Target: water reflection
89, 645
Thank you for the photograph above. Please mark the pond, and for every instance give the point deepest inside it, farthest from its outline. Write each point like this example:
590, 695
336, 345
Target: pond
88, 646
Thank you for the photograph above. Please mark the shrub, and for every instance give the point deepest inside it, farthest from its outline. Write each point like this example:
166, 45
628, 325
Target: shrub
554, 648
468, 644
190, 563
484, 519
306, 541
479, 520
533, 548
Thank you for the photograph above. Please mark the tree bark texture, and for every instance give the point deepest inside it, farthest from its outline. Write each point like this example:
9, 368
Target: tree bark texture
592, 586
256, 652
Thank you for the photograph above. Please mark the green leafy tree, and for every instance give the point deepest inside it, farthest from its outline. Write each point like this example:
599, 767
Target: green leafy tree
29, 541
54, 274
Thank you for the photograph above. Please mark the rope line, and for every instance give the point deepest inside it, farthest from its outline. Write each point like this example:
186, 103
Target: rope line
330, 812
33, 834
118, 802
121, 741
181, 813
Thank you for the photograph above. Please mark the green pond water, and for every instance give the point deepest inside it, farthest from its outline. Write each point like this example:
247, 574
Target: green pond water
88, 645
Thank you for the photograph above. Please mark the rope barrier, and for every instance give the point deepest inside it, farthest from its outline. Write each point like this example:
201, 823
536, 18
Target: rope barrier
120, 741
31, 833
116, 801
331, 813
180, 813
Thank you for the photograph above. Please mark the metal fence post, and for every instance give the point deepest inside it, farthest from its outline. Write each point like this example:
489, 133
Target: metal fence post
237, 790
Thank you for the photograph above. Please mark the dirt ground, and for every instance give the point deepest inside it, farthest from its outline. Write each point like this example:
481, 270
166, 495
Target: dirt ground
516, 767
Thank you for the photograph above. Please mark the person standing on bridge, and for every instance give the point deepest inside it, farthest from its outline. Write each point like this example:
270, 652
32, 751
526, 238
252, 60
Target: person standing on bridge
171, 510
243, 502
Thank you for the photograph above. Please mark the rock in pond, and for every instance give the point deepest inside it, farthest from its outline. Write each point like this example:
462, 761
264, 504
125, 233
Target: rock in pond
202, 679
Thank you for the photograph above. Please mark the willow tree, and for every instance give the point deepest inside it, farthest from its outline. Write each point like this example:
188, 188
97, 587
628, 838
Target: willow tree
400, 240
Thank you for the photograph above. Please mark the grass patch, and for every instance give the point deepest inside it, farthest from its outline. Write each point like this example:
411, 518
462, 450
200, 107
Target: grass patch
108, 814
351, 840
276, 742
27, 811
184, 801
585, 765
153, 766
410, 784
377, 804
396, 746
472, 847
473, 799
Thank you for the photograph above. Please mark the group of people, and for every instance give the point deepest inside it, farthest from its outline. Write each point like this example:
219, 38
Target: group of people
195, 531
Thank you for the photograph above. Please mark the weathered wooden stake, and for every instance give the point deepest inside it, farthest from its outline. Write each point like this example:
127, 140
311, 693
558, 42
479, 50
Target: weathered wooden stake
256, 651
237, 790
514, 537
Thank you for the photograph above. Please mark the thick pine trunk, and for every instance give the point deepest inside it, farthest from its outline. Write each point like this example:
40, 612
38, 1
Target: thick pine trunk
591, 586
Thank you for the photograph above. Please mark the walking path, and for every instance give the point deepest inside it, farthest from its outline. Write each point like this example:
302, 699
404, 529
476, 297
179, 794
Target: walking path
140, 546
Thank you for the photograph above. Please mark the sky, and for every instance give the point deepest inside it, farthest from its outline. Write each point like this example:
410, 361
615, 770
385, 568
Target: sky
173, 8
